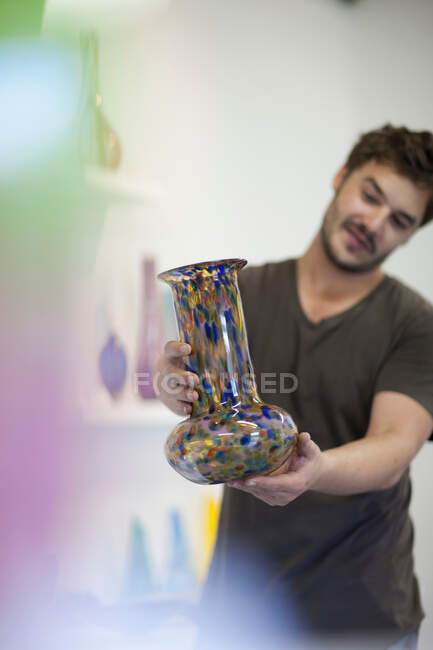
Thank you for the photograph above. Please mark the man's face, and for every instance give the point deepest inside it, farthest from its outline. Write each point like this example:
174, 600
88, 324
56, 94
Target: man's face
374, 210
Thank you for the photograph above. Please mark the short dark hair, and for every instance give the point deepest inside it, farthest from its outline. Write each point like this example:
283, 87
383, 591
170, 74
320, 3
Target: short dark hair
410, 153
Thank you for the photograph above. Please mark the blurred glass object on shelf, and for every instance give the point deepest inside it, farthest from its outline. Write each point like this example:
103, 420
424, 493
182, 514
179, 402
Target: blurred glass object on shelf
139, 581
181, 578
113, 366
150, 337
100, 144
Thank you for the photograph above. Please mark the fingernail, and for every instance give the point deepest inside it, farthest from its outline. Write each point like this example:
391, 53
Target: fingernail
184, 349
250, 483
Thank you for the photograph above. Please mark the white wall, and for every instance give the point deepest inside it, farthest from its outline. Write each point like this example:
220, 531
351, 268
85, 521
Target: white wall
215, 104
243, 111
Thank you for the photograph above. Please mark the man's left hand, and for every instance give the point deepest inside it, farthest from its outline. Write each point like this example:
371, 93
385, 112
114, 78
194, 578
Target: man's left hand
295, 477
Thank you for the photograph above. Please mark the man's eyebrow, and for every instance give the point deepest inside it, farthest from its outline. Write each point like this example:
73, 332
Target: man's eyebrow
379, 190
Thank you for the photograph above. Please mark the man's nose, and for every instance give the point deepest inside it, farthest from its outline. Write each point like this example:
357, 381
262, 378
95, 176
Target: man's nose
376, 220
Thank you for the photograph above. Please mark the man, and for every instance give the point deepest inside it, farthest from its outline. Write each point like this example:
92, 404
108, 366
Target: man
337, 549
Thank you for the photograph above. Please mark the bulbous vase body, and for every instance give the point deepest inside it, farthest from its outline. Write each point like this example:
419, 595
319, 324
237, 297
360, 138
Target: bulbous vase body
231, 434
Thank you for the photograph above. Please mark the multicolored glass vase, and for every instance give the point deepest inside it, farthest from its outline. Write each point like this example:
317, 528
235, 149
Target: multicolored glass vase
231, 434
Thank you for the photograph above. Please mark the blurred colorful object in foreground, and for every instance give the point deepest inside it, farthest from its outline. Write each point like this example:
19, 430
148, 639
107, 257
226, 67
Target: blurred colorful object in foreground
39, 99
49, 223
210, 526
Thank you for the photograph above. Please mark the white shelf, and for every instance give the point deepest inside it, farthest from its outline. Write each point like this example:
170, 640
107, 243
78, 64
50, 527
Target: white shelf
118, 185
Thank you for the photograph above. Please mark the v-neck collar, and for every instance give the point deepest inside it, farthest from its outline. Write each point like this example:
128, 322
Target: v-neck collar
324, 322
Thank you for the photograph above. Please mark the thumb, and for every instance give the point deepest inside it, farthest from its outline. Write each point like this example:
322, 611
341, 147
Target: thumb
307, 447
176, 349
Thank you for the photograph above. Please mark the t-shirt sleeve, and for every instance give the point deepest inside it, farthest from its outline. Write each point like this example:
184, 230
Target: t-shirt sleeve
408, 368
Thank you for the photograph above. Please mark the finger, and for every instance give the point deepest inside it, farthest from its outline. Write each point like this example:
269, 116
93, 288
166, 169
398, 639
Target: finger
179, 392
183, 377
173, 380
176, 349
242, 486
272, 484
282, 469
188, 395
307, 448
271, 498
293, 460
180, 407
239, 485
246, 485
297, 463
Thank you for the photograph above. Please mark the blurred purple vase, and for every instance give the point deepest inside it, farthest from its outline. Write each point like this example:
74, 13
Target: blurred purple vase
113, 366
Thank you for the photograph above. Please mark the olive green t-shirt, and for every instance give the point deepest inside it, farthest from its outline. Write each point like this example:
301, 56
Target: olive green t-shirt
338, 563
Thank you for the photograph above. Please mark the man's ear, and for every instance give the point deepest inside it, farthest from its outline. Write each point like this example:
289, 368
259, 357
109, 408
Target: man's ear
339, 177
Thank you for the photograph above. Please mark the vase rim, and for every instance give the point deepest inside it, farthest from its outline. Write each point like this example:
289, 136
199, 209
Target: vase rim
188, 271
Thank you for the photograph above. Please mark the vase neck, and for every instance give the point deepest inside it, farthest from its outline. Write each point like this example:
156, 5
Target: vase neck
210, 318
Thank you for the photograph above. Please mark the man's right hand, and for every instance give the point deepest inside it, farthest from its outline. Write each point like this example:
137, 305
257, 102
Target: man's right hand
173, 384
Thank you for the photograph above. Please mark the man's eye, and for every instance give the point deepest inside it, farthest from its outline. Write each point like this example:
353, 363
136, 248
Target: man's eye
369, 198
398, 221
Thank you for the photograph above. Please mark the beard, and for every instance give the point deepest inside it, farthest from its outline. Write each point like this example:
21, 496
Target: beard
329, 221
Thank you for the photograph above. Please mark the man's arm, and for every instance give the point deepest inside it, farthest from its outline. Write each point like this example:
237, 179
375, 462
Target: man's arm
398, 427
